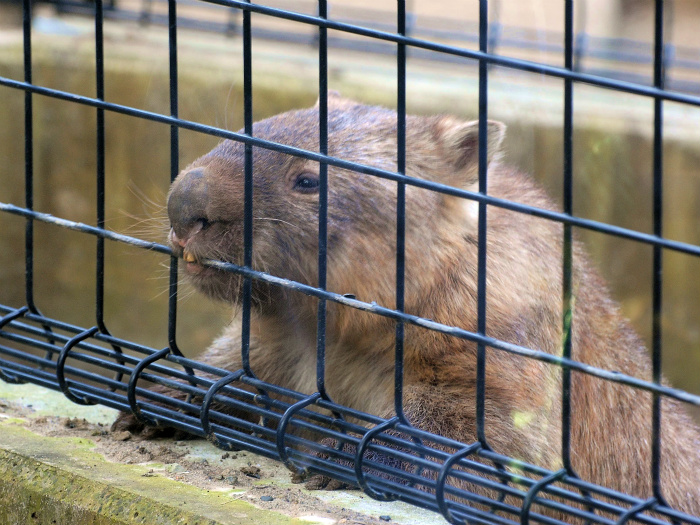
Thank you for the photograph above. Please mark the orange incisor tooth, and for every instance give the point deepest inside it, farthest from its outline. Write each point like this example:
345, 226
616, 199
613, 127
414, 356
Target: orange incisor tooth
189, 257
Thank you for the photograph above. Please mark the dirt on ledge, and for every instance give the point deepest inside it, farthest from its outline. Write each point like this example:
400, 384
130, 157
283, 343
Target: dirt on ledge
258, 480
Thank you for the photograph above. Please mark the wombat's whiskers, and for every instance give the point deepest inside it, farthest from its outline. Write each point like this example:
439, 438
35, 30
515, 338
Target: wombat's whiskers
272, 219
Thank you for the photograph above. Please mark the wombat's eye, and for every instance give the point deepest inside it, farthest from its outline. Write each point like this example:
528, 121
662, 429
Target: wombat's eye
306, 183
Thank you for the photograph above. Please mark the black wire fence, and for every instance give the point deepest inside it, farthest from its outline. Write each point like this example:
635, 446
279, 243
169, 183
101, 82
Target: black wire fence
90, 365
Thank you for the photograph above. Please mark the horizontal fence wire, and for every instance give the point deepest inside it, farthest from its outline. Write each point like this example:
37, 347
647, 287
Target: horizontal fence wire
91, 366
68, 349
610, 57
374, 308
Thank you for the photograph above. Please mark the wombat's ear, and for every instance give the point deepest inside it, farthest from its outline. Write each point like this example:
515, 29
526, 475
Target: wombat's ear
459, 142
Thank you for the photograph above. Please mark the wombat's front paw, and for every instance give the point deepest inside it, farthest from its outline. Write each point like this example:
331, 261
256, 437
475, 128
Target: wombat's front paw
127, 422
321, 482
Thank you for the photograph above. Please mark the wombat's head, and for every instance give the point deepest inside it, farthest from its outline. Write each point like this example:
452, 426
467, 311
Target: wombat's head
206, 201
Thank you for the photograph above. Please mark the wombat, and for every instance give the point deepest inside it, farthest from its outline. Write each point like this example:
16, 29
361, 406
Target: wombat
611, 423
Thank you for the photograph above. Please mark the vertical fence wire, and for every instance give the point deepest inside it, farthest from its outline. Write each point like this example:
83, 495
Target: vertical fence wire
482, 229
29, 170
400, 208
100, 174
248, 190
482, 237
323, 198
28, 157
567, 244
100, 168
657, 275
174, 167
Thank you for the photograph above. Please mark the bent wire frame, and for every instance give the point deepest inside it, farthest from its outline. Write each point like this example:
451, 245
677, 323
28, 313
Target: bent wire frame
511, 490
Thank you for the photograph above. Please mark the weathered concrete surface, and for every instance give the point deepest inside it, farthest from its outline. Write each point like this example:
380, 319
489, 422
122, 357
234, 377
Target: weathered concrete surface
59, 464
45, 480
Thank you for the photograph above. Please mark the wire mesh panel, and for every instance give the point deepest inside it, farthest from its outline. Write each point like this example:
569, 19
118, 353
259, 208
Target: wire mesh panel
393, 456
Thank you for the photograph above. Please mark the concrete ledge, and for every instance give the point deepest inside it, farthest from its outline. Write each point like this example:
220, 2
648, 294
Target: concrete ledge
53, 480
60, 465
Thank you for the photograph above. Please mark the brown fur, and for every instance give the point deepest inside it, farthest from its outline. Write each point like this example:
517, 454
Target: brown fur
611, 428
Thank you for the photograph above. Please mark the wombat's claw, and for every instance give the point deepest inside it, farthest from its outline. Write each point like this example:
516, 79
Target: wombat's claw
321, 482
127, 421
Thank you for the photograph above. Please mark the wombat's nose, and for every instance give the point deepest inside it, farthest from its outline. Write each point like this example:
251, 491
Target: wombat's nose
188, 201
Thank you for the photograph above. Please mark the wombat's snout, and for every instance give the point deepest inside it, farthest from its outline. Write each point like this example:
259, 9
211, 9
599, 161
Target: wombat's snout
188, 202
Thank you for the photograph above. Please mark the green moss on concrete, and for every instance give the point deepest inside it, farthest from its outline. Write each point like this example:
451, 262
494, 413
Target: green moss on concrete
46, 481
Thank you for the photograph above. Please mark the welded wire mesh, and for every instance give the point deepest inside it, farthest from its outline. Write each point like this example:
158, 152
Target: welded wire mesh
120, 370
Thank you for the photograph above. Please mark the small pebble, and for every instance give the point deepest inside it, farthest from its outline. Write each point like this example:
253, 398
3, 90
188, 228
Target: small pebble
385, 518
266, 498
124, 435
251, 470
